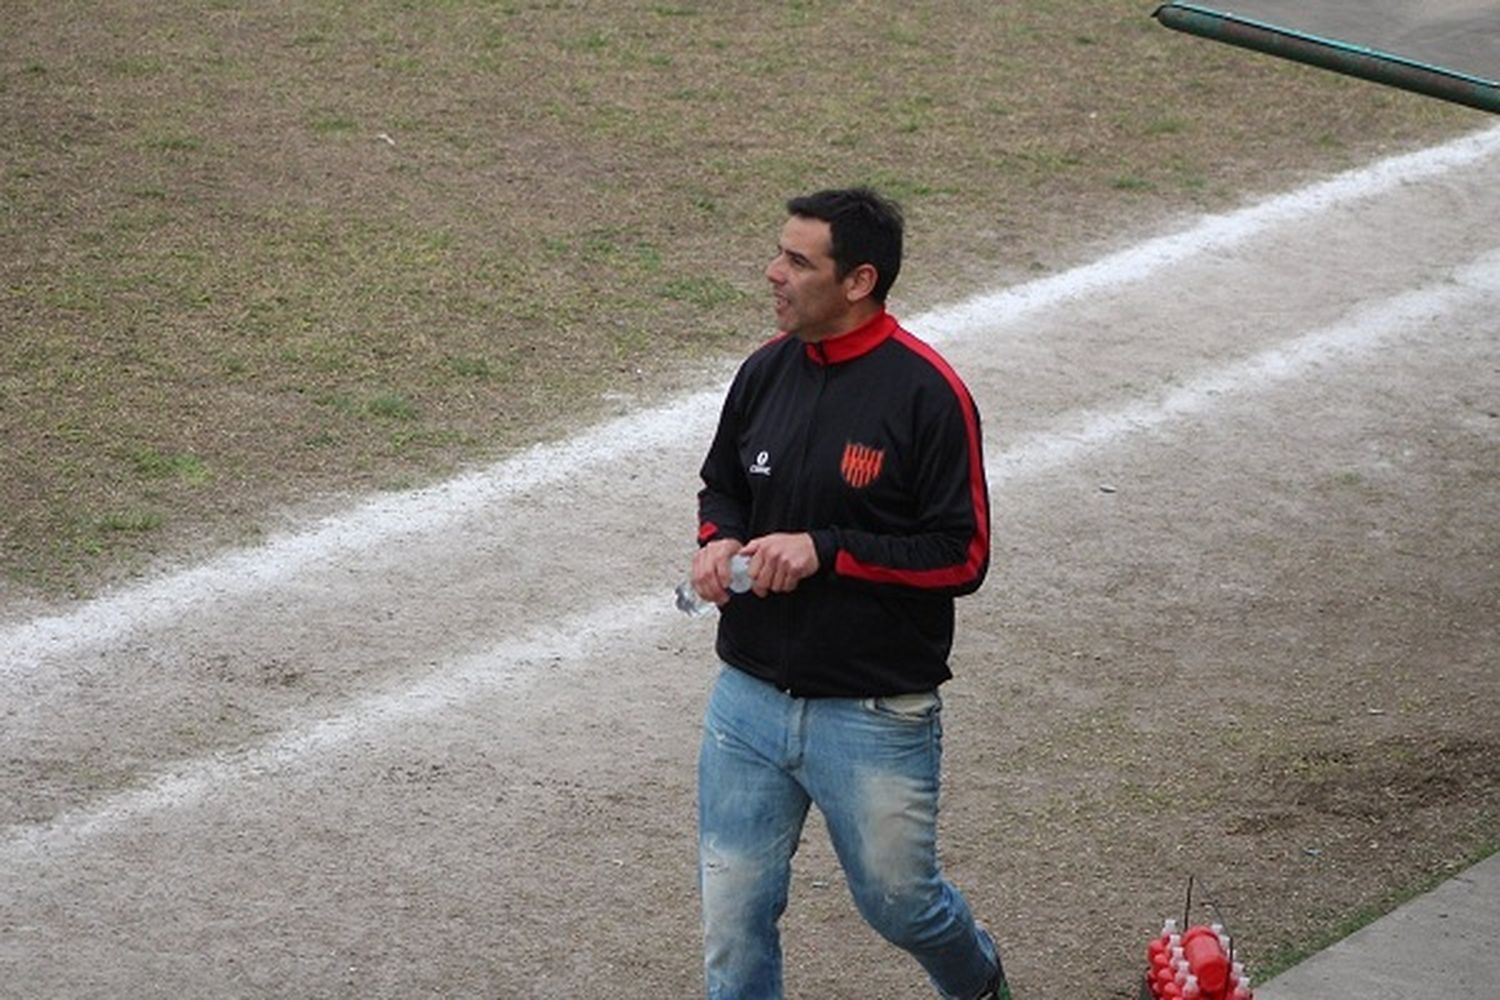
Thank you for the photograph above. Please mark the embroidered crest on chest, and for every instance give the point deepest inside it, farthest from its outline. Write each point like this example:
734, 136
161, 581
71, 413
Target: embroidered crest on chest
861, 464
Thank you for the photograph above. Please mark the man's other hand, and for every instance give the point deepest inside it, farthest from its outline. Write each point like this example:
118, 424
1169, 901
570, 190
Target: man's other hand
779, 562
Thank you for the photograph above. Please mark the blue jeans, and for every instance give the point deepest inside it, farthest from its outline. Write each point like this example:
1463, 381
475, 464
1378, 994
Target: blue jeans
872, 766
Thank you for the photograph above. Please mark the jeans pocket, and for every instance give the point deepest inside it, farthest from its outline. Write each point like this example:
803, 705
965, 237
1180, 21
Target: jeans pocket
918, 707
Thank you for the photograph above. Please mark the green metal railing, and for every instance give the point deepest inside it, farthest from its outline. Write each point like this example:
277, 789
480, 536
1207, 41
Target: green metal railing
1327, 53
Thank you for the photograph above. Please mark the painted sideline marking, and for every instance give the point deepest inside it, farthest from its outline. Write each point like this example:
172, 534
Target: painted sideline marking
1357, 334
1363, 329
1138, 262
385, 518
455, 683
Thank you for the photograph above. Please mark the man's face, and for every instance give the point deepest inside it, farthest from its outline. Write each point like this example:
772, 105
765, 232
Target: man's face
811, 302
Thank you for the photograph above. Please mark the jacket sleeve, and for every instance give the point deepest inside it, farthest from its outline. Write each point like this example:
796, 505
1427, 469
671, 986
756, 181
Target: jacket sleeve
724, 500
945, 550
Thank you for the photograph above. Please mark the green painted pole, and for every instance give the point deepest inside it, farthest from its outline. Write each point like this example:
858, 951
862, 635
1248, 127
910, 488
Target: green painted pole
1340, 57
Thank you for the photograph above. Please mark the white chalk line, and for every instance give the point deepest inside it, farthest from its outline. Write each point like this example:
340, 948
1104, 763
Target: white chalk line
379, 520
382, 519
1358, 333
516, 660
1214, 232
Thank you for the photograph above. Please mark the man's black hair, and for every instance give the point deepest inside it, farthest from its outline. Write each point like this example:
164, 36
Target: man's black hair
866, 228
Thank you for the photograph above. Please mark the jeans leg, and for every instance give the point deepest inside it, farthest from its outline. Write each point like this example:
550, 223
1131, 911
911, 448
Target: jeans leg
750, 817
873, 767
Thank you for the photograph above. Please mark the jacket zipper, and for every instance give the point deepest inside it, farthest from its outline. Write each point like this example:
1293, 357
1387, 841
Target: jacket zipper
799, 482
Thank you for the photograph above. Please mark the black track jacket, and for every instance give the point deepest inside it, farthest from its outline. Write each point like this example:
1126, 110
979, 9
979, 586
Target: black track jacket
870, 442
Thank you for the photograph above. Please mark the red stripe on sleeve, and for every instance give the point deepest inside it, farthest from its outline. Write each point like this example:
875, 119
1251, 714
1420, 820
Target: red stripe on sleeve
979, 544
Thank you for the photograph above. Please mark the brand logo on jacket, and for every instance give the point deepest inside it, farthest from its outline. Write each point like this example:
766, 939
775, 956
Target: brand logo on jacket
761, 465
861, 464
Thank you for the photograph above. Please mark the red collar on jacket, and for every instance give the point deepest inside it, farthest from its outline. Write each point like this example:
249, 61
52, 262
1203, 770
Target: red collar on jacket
860, 340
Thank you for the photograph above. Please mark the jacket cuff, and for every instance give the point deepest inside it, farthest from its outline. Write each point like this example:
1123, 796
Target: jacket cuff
826, 544
713, 533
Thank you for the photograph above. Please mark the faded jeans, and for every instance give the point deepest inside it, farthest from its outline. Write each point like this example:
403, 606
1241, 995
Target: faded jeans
872, 767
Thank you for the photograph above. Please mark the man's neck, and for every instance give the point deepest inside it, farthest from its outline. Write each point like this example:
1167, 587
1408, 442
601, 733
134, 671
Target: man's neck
857, 316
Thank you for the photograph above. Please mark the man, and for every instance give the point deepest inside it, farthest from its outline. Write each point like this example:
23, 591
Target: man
847, 466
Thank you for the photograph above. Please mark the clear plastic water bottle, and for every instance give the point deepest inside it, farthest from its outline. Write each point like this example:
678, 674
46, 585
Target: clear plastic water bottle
688, 601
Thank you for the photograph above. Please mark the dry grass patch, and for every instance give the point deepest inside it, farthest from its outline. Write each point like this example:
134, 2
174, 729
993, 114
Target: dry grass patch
323, 247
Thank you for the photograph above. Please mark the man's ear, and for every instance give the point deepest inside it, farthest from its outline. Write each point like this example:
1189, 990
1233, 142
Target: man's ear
860, 282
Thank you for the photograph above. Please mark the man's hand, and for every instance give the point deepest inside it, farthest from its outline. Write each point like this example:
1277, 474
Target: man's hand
711, 569
779, 562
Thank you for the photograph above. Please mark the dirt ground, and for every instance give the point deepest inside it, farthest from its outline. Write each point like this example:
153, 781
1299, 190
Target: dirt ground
1241, 625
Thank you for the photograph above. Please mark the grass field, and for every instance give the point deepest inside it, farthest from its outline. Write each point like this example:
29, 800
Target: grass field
252, 256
